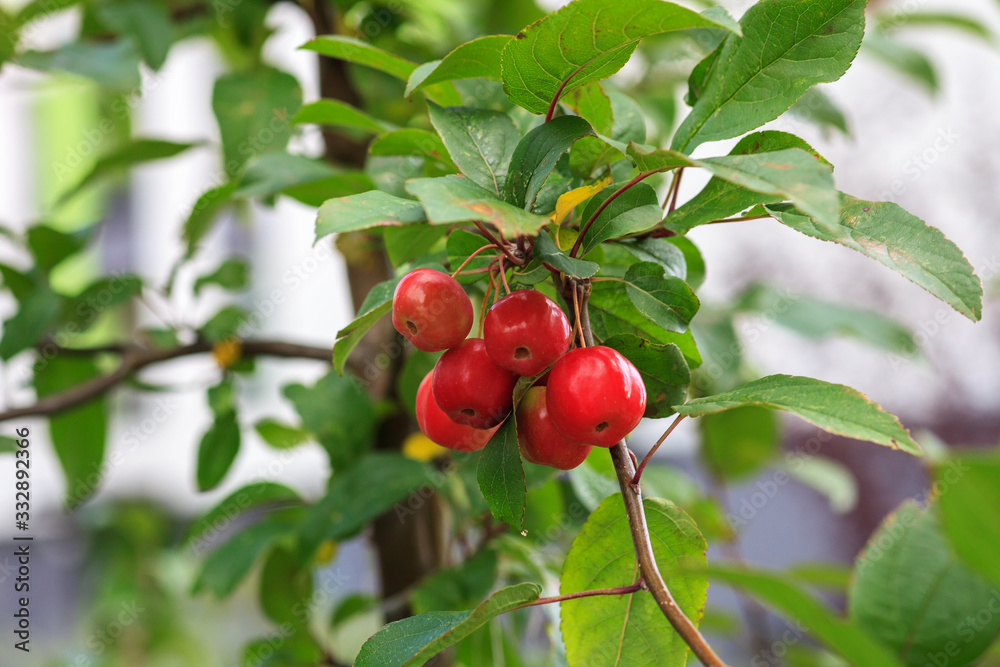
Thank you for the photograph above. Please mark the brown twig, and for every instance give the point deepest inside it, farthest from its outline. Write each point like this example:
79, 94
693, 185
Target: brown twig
136, 358
677, 191
621, 590
498, 243
634, 511
649, 456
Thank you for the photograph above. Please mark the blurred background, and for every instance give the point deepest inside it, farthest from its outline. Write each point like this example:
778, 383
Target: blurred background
919, 127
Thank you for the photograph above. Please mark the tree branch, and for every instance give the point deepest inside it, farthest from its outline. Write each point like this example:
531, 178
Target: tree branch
632, 497
137, 358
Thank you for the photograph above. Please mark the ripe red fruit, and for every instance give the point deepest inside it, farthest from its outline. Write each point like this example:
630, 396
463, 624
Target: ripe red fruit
470, 388
595, 395
526, 332
438, 427
432, 310
539, 440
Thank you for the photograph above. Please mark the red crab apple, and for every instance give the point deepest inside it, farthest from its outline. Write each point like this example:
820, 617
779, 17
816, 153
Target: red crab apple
470, 388
539, 440
432, 310
438, 427
526, 332
595, 395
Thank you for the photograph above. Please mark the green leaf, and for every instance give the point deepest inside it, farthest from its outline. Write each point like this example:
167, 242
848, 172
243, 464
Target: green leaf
453, 199
339, 114
659, 251
113, 64
666, 300
916, 19
459, 587
364, 211
635, 210
721, 197
889, 234
536, 155
736, 443
33, 318
253, 110
815, 107
233, 274
217, 451
50, 246
405, 244
821, 319
268, 174
831, 479
224, 324
832, 407
630, 629
478, 59
286, 588
245, 499
905, 59
836, 633
361, 53
909, 591
204, 215
694, 263
279, 435
338, 413
591, 103
663, 369
968, 504
21, 285
78, 434
701, 74
584, 41
547, 251
227, 565
145, 22
411, 142
612, 312
480, 141
351, 606
791, 174
374, 484
100, 296
8, 445
501, 475
121, 158
415, 640
787, 47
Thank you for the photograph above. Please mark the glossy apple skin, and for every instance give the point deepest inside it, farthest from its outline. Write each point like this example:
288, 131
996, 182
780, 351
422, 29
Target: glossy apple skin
595, 396
470, 388
526, 332
438, 427
539, 440
431, 310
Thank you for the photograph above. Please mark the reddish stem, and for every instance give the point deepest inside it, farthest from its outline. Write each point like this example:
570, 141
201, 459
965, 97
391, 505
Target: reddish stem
621, 590
646, 459
607, 202
469, 259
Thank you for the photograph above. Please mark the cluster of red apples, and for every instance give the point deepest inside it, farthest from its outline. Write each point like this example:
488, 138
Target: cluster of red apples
589, 396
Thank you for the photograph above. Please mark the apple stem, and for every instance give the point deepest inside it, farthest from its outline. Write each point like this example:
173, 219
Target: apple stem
486, 297
621, 590
503, 277
577, 327
470, 258
675, 187
648, 457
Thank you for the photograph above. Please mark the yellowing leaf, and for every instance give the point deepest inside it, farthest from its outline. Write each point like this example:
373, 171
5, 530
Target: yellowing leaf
327, 551
227, 352
570, 200
421, 448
